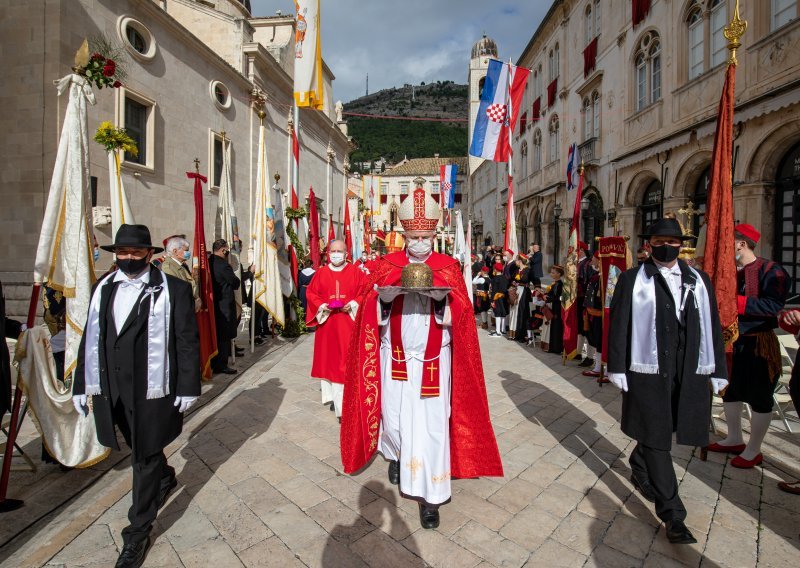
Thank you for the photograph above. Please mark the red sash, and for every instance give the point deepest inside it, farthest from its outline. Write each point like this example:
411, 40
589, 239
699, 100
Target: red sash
431, 366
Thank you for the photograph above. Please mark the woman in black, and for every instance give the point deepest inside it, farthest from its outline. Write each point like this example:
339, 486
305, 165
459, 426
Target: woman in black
482, 301
498, 292
553, 300
523, 331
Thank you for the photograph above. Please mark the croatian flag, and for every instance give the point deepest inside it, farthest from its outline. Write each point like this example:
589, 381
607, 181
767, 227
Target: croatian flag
499, 109
572, 164
447, 181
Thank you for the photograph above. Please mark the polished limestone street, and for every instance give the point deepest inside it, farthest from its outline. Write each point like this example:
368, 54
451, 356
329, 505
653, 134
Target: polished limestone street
261, 484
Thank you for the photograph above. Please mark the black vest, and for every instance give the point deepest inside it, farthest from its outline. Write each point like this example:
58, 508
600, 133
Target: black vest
119, 350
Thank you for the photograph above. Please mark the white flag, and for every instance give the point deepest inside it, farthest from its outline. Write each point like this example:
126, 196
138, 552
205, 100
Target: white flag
461, 251
308, 80
266, 273
66, 242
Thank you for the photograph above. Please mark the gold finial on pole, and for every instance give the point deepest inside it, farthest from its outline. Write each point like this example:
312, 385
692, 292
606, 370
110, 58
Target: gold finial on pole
197, 165
733, 32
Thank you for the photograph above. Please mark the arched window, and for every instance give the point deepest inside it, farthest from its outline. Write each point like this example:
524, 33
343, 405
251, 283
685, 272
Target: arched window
537, 150
591, 24
650, 208
554, 142
596, 112
718, 19
537, 229
523, 170
552, 64
592, 215
539, 77
591, 116
647, 70
696, 40
787, 233
480, 87
699, 200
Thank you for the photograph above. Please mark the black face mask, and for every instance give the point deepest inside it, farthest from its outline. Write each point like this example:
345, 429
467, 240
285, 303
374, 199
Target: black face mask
665, 253
131, 266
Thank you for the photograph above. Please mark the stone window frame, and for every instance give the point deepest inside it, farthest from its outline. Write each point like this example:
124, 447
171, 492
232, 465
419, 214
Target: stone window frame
212, 91
590, 109
523, 154
124, 93
123, 23
708, 18
773, 7
647, 67
554, 151
213, 137
537, 150
591, 21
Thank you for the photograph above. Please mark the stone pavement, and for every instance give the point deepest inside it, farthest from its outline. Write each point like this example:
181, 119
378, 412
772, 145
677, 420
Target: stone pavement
260, 484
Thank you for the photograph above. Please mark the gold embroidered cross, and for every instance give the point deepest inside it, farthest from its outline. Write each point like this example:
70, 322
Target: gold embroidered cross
337, 295
414, 465
398, 352
433, 368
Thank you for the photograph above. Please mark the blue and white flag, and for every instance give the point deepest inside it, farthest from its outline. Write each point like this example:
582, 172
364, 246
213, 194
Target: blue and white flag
447, 182
572, 165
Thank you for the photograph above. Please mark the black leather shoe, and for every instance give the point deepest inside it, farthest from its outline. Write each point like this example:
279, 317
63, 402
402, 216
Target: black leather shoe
587, 362
239, 352
644, 488
428, 516
677, 533
167, 491
132, 554
227, 371
394, 472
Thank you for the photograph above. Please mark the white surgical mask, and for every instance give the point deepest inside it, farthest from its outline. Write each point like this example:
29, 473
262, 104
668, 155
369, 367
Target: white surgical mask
420, 248
337, 258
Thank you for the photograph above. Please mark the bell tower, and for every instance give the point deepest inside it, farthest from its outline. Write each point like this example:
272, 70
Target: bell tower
482, 51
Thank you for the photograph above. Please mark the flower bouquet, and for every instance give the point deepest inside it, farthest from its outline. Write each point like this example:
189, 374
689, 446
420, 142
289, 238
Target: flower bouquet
113, 139
104, 67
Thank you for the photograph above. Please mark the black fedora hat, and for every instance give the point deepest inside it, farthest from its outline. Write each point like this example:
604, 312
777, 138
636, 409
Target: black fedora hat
132, 236
667, 228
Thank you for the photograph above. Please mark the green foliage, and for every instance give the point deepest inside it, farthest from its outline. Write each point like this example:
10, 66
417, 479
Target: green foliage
294, 327
394, 139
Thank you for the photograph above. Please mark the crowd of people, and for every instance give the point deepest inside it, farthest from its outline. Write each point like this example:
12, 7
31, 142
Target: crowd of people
393, 361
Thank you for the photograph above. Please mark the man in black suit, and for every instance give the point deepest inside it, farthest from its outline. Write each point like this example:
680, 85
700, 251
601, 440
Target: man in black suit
12, 329
535, 260
139, 361
665, 350
226, 319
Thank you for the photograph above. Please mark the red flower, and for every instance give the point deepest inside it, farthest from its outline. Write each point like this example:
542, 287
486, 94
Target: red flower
98, 56
116, 84
109, 69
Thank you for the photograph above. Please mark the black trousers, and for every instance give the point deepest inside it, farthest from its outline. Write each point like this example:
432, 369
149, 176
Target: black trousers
151, 480
656, 466
220, 360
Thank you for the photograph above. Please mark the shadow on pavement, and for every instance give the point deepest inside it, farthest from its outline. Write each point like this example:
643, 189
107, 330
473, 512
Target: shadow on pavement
248, 415
582, 437
332, 557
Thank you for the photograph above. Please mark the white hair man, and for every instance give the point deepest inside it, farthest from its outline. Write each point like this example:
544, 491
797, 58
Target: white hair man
175, 263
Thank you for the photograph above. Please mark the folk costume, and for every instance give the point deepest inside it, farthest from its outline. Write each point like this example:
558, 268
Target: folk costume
762, 287
593, 321
138, 360
665, 351
331, 289
553, 335
482, 302
415, 389
498, 293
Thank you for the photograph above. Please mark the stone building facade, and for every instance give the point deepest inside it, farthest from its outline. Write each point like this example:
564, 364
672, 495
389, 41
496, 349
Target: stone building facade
642, 112
192, 70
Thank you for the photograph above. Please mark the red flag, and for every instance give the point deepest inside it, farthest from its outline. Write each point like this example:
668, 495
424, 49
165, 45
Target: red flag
367, 237
570, 299
205, 316
348, 234
718, 258
331, 234
313, 243
613, 253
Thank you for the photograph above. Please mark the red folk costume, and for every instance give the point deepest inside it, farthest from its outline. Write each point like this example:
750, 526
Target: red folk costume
334, 289
473, 448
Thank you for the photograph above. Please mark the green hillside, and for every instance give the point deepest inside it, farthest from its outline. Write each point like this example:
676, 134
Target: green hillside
396, 139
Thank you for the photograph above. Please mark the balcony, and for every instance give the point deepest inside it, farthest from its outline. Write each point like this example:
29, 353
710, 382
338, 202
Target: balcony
590, 151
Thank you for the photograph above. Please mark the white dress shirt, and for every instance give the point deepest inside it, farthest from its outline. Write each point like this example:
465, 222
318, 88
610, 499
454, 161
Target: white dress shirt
673, 277
128, 292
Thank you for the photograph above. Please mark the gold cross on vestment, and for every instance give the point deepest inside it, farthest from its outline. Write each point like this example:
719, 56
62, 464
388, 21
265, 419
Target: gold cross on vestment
337, 295
433, 368
398, 352
414, 465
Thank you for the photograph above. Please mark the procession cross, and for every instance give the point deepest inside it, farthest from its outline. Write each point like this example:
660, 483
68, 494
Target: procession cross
690, 213
197, 165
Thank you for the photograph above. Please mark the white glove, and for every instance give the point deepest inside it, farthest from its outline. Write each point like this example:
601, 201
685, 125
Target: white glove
184, 402
79, 402
619, 380
718, 385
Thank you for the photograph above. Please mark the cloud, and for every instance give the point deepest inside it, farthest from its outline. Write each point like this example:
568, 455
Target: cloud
410, 41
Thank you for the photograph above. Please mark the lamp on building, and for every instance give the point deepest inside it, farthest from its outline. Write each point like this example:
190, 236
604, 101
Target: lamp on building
585, 203
557, 217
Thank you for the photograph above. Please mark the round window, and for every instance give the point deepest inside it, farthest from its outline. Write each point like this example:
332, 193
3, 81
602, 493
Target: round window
136, 38
220, 95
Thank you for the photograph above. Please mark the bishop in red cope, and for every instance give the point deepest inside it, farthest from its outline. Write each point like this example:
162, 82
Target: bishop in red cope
332, 308
414, 386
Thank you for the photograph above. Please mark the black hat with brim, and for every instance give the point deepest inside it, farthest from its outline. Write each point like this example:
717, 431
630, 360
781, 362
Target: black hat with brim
667, 228
132, 236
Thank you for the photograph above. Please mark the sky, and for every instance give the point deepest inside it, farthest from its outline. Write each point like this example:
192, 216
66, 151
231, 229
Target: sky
411, 41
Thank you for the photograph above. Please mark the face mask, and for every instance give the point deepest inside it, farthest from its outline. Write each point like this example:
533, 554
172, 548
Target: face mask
421, 248
227, 252
96, 255
131, 266
665, 253
363, 259
187, 255
337, 258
